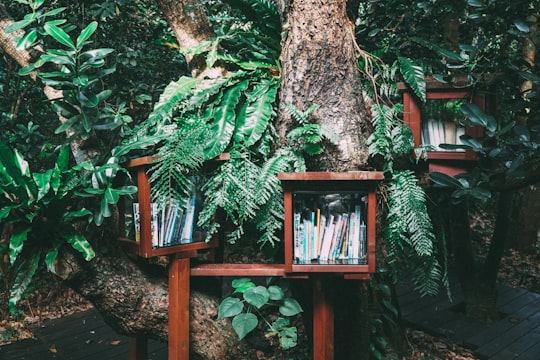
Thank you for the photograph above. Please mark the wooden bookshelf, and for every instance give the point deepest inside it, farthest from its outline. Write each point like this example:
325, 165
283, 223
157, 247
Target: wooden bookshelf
344, 190
438, 94
143, 247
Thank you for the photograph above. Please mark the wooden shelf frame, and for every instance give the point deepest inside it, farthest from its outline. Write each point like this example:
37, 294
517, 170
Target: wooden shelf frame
439, 91
331, 182
139, 168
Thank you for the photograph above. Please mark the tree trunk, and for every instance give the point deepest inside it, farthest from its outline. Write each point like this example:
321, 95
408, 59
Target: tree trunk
320, 66
479, 280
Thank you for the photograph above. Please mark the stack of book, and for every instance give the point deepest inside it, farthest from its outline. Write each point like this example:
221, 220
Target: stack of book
173, 224
330, 237
436, 132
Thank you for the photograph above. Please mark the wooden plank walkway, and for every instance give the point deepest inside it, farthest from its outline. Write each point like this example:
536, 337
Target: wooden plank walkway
85, 335
80, 336
515, 336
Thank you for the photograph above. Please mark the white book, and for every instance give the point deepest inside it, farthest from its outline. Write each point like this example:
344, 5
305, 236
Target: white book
296, 223
350, 236
322, 227
154, 225
327, 240
187, 230
356, 235
363, 241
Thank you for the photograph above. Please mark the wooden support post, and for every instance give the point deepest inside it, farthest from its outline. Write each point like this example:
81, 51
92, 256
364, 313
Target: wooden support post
179, 273
323, 321
138, 348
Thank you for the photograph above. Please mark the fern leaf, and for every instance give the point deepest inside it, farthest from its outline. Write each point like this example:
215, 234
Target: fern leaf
224, 122
414, 76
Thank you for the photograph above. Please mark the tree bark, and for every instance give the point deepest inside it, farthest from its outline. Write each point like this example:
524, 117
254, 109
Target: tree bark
320, 66
191, 27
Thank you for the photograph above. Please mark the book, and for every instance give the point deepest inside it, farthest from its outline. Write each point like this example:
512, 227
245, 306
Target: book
327, 241
137, 221
154, 225
187, 230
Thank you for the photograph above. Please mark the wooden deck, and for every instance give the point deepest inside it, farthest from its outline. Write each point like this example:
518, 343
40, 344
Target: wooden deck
80, 336
515, 336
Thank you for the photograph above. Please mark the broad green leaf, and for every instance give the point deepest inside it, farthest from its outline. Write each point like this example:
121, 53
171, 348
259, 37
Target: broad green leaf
111, 195
257, 296
23, 278
258, 112
471, 142
230, 307
445, 180
16, 169
126, 190
290, 307
223, 125
16, 243
55, 12
70, 215
59, 35
477, 117
43, 182
79, 243
245, 286
105, 209
522, 26
86, 33
97, 53
414, 76
27, 40
276, 293
476, 3
51, 256
243, 324
480, 193
18, 25
239, 282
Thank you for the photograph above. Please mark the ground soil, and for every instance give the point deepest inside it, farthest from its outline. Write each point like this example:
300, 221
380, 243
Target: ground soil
50, 299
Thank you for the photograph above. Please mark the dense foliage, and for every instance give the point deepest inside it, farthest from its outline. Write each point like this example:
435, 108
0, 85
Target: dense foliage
125, 86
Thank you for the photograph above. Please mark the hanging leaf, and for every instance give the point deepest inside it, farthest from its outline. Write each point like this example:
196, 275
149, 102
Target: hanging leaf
243, 324
257, 296
445, 180
414, 76
290, 307
230, 307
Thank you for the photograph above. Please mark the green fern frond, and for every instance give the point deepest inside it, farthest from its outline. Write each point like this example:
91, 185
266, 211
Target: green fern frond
176, 158
413, 74
409, 226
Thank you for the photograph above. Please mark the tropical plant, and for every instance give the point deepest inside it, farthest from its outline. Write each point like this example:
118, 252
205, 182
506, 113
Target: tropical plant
261, 301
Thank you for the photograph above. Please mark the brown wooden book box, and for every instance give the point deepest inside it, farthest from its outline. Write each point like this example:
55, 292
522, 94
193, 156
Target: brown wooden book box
348, 185
450, 162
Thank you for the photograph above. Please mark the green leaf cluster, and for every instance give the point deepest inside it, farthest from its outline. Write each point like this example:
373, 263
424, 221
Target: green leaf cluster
249, 302
390, 137
77, 72
37, 208
409, 232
